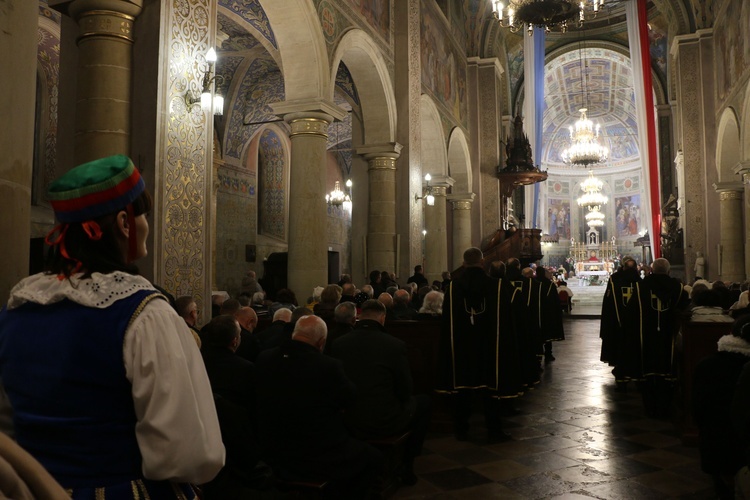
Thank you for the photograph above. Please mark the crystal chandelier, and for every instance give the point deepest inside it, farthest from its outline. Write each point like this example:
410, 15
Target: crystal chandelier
338, 198
585, 149
545, 14
593, 199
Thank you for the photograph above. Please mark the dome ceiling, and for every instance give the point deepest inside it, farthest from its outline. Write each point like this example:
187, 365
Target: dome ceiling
608, 96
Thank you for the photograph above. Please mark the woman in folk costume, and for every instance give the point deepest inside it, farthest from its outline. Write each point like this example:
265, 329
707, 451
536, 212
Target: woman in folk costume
104, 380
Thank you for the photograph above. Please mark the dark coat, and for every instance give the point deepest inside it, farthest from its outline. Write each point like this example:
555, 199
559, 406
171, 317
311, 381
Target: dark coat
377, 364
302, 395
249, 346
402, 311
477, 343
231, 376
336, 331
714, 382
273, 336
550, 312
419, 279
619, 290
527, 313
650, 325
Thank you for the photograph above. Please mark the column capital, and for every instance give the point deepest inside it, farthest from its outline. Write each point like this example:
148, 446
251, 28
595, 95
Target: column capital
691, 38
308, 123
461, 201
729, 190
742, 167
308, 107
484, 62
386, 150
439, 180
441, 191
75, 8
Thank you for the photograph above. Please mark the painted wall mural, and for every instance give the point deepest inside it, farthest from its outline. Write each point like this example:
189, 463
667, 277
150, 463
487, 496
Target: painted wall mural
272, 181
558, 218
254, 15
628, 215
263, 84
377, 13
731, 47
443, 65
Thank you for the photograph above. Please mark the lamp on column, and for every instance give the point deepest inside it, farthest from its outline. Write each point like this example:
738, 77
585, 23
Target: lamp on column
427, 193
210, 100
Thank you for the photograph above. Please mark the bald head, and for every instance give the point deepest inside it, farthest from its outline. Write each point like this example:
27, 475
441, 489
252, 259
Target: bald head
402, 297
386, 299
311, 330
247, 318
527, 272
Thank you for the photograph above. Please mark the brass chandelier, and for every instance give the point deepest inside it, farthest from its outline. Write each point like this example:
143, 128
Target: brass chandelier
547, 14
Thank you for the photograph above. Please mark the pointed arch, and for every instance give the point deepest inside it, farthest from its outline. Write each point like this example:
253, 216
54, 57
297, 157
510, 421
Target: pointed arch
459, 161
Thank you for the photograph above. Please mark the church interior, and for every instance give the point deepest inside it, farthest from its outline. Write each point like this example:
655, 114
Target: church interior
306, 139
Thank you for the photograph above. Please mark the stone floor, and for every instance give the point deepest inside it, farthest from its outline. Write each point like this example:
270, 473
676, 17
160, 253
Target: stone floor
574, 438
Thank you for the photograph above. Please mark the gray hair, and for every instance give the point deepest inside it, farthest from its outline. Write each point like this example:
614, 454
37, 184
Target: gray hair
345, 312
433, 303
310, 329
283, 314
660, 266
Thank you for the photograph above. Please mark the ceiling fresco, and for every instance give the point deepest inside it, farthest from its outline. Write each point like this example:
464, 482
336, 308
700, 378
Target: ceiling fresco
239, 39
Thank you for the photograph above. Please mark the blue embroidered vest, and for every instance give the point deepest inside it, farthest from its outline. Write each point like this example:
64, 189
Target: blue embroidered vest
62, 368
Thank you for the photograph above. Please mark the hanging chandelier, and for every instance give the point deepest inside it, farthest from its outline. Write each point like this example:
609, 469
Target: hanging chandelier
585, 149
339, 198
595, 218
547, 14
592, 196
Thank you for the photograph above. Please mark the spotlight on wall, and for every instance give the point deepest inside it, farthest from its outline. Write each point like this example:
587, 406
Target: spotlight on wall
211, 101
426, 193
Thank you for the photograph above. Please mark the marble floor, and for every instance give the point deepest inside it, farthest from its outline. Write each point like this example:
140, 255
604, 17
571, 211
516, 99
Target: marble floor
573, 438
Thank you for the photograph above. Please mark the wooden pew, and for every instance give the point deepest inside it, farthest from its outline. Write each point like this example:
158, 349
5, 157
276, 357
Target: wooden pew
698, 341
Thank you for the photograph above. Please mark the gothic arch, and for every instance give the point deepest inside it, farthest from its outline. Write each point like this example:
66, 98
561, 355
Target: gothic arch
459, 161
434, 157
365, 62
302, 48
728, 153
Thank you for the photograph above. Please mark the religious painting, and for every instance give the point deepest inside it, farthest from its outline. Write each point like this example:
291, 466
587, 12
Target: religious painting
558, 218
443, 65
377, 13
628, 215
732, 49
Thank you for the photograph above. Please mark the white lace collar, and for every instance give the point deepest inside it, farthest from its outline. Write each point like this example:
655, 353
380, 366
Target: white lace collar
100, 290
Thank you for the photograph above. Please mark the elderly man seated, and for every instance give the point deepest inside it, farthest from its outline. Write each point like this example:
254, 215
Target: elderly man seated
301, 399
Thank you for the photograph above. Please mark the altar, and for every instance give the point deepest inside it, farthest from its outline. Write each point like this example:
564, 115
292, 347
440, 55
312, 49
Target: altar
593, 262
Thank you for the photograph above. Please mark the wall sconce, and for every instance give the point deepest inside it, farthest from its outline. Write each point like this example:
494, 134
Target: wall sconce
338, 198
427, 196
424, 233
209, 99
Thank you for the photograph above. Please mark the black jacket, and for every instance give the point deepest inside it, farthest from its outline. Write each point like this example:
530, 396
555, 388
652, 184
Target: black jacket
377, 364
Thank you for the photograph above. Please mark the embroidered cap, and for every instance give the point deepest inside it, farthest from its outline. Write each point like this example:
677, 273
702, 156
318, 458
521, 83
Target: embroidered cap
96, 188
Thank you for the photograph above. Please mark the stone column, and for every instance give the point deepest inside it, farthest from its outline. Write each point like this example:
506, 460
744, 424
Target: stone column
461, 226
381, 217
732, 253
694, 84
488, 97
435, 222
105, 44
18, 36
743, 169
308, 257
408, 89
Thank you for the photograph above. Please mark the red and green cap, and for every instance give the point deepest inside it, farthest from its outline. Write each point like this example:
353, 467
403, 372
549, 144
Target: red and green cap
95, 189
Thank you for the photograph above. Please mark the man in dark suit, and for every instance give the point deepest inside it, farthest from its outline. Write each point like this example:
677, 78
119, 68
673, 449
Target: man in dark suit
376, 362
302, 396
249, 347
418, 277
275, 334
344, 317
233, 384
401, 309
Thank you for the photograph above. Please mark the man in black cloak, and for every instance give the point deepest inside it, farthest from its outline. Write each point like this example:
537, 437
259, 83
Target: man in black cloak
526, 306
477, 346
650, 326
550, 313
619, 291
